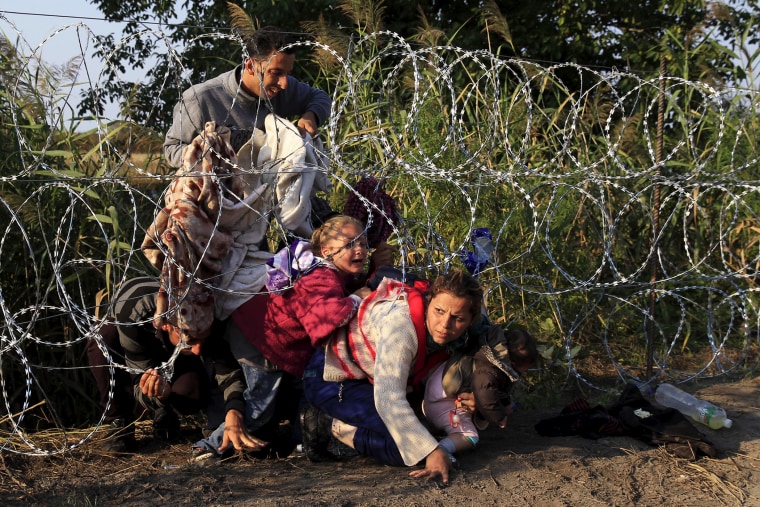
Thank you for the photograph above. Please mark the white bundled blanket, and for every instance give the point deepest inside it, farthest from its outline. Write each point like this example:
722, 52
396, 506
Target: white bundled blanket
290, 169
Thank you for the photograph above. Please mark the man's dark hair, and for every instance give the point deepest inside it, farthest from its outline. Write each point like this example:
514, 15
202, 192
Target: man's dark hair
268, 39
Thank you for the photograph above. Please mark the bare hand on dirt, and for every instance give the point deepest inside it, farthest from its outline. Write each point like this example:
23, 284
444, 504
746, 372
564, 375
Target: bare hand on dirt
437, 464
236, 435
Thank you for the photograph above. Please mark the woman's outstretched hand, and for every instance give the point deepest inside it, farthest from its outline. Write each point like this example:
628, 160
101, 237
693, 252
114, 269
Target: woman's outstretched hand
437, 464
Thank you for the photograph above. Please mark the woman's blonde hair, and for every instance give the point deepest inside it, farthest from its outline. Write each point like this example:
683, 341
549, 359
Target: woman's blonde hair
332, 229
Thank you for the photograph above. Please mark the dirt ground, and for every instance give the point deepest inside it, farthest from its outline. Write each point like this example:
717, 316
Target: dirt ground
516, 467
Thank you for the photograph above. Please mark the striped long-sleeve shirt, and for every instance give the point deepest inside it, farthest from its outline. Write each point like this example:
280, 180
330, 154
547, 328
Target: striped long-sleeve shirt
145, 347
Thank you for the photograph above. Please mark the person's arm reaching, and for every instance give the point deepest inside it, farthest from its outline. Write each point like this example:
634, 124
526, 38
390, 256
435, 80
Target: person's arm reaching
231, 381
302, 100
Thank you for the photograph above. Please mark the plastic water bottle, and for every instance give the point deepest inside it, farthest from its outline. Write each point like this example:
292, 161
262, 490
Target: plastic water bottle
700, 410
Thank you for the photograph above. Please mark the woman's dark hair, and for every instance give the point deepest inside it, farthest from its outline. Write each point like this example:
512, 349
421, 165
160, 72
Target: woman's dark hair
459, 284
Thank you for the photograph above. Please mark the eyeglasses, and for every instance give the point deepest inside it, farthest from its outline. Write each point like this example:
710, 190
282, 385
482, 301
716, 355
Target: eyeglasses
361, 242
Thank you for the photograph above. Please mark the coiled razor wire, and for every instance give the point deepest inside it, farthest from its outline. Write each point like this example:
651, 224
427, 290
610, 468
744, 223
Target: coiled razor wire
562, 175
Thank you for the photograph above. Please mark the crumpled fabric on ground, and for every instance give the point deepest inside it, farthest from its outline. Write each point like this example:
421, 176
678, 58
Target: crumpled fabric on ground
659, 426
579, 418
663, 426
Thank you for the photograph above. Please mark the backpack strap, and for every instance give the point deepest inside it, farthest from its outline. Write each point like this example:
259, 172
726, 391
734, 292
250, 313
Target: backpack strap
417, 311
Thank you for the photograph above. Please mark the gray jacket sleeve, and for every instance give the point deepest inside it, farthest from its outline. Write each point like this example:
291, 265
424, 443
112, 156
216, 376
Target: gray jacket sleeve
300, 97
185, 127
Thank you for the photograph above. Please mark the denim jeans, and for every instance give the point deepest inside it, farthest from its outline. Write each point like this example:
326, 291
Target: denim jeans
353, 402
260, 393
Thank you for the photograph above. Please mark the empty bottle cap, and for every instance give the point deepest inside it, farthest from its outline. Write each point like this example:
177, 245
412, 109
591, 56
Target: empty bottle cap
728, 423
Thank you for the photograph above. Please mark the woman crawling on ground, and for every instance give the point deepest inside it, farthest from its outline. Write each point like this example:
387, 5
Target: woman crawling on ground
359, 392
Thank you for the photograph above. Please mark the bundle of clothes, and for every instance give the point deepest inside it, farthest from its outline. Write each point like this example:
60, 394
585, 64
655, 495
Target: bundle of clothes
632, 415
207, 238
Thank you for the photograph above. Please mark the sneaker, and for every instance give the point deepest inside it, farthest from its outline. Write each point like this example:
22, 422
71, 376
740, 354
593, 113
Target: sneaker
316, 431
165, 425
341, 451
120, 437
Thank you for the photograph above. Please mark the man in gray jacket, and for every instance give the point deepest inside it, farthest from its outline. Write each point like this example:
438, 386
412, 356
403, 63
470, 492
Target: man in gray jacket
242, 97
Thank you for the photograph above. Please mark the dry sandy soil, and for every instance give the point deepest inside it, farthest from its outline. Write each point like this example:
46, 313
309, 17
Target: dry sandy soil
512, 467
